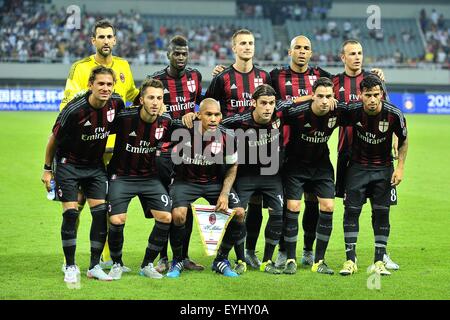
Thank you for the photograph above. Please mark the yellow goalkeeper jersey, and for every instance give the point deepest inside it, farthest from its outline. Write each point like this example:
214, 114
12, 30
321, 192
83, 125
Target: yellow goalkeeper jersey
79, 76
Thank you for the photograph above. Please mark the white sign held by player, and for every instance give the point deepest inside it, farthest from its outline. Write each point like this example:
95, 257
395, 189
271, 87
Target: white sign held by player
212, 226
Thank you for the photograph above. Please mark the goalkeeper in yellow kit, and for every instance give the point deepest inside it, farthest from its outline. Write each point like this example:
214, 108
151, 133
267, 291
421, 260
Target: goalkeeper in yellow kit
104, 39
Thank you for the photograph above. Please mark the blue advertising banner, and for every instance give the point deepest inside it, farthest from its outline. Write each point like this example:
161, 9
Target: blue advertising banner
40, 99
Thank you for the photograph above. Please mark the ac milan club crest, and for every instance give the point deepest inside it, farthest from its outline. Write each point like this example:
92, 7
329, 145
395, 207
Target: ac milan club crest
312, 79
383, 126
159, 133
191, 86
276, 124
332, 122
212, 218
258, 82
216, 147
110, 115
122, 77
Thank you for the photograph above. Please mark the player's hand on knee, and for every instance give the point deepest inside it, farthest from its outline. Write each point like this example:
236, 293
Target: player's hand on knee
218, 69
222, 203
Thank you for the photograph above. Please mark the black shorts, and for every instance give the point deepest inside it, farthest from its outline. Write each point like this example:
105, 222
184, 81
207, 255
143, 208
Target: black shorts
341, 169
151, 193
165, 169
184, 193
69, 178
270, 187
319, 181
363, 183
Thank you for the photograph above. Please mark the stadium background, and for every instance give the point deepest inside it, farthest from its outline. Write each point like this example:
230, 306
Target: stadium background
37, 49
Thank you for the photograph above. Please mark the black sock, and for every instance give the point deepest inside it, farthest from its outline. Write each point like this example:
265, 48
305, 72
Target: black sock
272, 233
156, 240
239, 245
351, 230
323, 233
188, 232
281, 246
99, 231
232, 234
176, 241
115, 242
253, 223
309, 223
69, 235
381, 230
290, 227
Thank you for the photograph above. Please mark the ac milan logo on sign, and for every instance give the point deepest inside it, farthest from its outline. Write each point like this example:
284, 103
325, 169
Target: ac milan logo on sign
383, 126
216, 147
122, 77
159, 133
312, 79
331, 122
110, 115
258, 82
191, 86
212, 218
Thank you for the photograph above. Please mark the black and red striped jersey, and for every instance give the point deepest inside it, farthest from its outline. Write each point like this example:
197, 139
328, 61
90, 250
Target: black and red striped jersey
137, 143
81, 131
234, 89
259, 145
180, 94
372, 134
203, 158
310, 133
289, 84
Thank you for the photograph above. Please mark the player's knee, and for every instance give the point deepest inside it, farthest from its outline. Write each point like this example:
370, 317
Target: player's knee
71, 214
240, 214
294, 205
179, 216
162, 216
327, 206
118, 219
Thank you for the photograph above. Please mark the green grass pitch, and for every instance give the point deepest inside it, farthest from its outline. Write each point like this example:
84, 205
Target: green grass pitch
31, 253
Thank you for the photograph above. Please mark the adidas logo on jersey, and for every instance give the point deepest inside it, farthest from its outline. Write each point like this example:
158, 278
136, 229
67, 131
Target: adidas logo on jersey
233, 86
87, 123
166, 91
307, 125
341, 89
288, 83
359, 124
132, 134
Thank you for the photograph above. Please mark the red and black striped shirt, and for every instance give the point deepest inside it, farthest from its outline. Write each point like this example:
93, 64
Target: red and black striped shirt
81, 131
372, 135
137, 143
209, 166
290, 85
310, 134
234, 89
346, 89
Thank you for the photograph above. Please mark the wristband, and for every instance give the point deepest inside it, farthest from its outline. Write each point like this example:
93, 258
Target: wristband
47, 167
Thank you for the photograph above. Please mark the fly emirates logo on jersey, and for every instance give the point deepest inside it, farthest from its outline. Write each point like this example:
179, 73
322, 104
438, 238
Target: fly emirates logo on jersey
181, 104
245, 101
144, 147
99, 134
